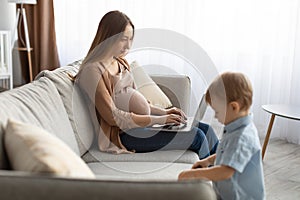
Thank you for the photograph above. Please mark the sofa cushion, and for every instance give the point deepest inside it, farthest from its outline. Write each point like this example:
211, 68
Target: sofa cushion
148, 87
177, 88
39, 104
178, 156
30, 148
74, 103
146, 171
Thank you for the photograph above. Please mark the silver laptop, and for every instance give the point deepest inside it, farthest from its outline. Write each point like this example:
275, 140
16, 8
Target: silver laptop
190, 122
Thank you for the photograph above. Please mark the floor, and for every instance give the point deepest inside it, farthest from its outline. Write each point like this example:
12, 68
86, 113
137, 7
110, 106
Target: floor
282, 170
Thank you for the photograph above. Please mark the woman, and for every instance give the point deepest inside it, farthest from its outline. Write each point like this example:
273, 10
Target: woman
119, 112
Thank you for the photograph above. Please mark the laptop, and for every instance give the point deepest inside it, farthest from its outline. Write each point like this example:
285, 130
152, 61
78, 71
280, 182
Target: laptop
183, 127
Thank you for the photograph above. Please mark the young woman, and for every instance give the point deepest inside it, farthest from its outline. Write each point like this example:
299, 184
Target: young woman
119, 112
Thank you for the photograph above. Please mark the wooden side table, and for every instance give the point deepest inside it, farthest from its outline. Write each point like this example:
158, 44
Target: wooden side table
29, 59
286, 111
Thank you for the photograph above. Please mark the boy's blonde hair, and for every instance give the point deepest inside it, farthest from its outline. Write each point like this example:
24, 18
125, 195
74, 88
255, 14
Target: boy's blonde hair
233, 86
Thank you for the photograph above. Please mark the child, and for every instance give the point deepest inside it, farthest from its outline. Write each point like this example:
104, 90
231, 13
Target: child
237, 172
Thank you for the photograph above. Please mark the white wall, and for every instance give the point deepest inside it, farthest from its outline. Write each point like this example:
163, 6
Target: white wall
7, 22
7, 15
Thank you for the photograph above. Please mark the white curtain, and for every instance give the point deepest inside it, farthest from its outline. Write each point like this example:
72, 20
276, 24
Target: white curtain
260, 38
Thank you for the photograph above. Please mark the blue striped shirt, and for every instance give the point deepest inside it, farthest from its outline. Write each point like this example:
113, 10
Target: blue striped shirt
240, 149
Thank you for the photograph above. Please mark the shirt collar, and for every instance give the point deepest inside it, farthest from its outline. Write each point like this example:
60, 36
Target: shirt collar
236, 124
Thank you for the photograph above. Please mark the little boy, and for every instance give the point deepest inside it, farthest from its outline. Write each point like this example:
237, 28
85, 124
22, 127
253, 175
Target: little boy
237, 172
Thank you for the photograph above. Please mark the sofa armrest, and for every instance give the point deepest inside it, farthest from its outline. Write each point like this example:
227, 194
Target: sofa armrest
177, 88
21, 185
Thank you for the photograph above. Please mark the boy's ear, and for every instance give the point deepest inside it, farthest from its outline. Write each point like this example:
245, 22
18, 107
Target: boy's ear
235, 106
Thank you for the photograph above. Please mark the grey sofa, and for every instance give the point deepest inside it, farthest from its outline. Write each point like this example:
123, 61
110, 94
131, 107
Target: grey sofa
55, 104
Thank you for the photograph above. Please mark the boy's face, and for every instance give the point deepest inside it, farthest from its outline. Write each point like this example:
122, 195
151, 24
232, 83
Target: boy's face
224, 112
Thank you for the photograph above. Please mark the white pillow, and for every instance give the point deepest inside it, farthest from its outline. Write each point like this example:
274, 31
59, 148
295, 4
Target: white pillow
30, 148
148, 87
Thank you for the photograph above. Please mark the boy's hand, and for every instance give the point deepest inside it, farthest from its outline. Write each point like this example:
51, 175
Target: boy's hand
185, 175
205, 162
201, 164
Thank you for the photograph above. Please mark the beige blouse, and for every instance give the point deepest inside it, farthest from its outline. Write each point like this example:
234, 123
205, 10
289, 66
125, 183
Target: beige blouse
125, 96
108, 120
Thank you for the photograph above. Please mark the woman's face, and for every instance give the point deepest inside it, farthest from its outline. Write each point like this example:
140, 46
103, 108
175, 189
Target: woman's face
124, 43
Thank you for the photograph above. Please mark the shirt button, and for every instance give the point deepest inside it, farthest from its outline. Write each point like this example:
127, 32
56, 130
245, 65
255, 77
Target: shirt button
224, 131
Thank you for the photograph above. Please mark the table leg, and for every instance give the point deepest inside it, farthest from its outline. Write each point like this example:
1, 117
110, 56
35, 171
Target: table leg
30, 66
268, 135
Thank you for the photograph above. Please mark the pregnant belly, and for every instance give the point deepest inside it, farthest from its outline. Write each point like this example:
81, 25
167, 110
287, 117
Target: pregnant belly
132, 100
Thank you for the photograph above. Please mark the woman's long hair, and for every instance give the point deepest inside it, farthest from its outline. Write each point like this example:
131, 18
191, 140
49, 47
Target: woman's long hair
110, 28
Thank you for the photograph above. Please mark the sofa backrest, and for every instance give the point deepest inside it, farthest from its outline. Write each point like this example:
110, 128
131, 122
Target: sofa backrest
177, 88
74, 103
37, 103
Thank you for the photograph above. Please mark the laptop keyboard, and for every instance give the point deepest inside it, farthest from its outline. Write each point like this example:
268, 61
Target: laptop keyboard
174, 126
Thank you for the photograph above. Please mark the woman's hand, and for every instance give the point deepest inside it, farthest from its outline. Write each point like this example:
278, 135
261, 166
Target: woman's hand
168, 119
167, 116
176, 111
175, 118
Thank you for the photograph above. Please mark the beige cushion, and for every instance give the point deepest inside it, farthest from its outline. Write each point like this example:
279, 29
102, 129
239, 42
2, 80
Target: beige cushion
148, 87
30, 148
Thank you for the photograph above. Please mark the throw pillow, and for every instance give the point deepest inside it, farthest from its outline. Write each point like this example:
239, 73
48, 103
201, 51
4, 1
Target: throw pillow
147, 87
30, 148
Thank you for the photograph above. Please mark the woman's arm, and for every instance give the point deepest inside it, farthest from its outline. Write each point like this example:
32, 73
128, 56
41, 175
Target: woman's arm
155, 110
126, 120
97, 85
215, 173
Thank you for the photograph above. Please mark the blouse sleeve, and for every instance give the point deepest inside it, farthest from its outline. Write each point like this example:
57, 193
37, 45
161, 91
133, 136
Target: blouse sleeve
94, 81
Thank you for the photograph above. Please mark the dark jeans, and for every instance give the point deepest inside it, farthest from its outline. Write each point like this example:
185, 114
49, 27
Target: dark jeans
201, 139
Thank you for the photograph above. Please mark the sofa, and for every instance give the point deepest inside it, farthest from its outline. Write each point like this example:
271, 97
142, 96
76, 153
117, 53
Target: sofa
53, 103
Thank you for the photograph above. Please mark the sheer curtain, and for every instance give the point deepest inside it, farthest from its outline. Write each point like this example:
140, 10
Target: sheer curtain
260, 38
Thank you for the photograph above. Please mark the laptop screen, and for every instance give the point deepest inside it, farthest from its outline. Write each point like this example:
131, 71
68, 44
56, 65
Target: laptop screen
200, 110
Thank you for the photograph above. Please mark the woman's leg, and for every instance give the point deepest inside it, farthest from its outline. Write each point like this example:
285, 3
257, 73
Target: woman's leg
144, 140
200, 144
211, 137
